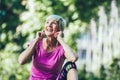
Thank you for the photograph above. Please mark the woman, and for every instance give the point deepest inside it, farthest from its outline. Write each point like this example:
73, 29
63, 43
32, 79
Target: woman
48, 52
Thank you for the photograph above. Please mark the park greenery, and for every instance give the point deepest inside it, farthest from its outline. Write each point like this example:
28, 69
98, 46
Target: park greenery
21, 19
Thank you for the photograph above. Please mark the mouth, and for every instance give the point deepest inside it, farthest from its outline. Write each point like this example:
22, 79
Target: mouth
49, 30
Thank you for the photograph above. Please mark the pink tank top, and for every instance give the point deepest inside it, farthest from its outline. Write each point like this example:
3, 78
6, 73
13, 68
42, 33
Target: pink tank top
46, 66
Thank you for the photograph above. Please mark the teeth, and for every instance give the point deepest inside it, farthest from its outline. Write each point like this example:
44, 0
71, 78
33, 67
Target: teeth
49, 30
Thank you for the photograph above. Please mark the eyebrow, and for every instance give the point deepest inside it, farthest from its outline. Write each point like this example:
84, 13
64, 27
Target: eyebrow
54, 21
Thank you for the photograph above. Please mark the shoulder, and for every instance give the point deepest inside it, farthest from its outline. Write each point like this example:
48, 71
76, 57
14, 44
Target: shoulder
38, 44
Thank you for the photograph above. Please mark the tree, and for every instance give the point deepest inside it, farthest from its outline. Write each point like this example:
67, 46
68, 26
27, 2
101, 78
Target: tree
20, 19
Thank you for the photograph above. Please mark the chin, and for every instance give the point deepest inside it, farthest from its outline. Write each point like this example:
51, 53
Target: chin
48, 33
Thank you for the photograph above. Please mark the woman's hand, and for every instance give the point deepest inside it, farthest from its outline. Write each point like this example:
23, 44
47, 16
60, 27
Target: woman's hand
59, 35
40, 35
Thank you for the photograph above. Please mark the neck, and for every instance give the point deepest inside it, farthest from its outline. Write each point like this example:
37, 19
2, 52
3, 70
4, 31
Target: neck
52, 42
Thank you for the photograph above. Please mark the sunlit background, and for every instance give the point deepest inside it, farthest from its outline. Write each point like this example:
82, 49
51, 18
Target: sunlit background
93, 32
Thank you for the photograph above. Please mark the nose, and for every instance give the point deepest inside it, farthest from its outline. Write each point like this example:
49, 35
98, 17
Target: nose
49, 24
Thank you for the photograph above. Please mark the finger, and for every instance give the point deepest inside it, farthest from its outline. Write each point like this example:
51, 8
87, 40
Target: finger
39, 33
56, 34
61, 33
43, 33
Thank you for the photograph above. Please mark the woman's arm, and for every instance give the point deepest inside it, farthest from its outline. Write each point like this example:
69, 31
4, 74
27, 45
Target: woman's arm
69, 54
27, 54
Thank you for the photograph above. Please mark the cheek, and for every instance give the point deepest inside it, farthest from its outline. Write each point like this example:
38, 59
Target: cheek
56, 28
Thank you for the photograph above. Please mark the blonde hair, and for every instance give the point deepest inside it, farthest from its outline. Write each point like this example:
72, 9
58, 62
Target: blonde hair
61, 21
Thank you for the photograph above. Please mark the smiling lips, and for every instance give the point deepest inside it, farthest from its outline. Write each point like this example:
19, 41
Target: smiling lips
49, 29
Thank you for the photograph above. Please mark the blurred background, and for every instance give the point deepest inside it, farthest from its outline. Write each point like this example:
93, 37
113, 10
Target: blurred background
93, 31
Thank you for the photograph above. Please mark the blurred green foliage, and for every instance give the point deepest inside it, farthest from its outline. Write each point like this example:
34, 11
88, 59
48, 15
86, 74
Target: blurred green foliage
20, 19
111, 73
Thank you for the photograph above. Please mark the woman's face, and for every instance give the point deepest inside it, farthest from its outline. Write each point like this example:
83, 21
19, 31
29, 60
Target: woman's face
51, 27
